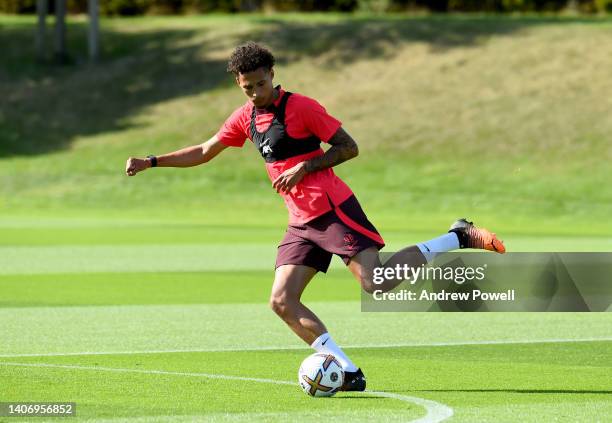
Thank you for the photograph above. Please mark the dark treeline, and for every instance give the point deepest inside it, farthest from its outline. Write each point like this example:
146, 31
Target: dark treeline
140, 7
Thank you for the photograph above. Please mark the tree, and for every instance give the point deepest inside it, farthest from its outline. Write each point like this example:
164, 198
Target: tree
42, 8
59, 50
93, 35
60, 31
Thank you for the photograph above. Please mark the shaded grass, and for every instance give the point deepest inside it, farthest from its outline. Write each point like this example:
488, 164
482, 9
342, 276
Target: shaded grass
447, 122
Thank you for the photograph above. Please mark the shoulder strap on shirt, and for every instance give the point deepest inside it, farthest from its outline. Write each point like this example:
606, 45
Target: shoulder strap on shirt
252, 127
280, 115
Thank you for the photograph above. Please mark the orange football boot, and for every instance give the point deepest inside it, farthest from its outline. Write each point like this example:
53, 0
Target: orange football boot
472, 237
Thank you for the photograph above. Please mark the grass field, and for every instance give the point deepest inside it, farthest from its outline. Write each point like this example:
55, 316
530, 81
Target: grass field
145, 299
181, 331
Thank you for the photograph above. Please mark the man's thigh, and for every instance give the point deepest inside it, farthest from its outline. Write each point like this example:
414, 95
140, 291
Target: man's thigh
363, 263
290, 280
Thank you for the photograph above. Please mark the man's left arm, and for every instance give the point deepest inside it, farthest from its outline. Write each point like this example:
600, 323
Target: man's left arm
343, 148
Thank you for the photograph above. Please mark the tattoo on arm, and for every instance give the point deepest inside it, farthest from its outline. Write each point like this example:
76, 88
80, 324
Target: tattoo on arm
343, 147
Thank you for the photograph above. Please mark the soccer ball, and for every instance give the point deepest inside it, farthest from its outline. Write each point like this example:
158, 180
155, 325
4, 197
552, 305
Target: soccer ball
320, 375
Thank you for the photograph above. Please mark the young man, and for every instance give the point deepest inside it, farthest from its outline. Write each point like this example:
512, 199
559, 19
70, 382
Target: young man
325, 218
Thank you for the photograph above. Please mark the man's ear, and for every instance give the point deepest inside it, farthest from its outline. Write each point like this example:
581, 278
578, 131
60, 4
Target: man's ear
272, 73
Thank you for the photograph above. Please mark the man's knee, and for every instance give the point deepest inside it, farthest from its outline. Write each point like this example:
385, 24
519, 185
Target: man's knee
282, 305
370, 283
369, 287
366, 280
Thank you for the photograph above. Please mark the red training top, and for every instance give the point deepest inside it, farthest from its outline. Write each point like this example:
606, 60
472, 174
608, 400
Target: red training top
304, 117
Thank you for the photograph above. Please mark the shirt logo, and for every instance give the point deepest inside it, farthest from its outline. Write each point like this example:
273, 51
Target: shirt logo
266, 149
349, 241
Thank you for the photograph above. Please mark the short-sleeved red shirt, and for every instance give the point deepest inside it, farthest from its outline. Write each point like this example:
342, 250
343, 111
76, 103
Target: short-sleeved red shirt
304, 117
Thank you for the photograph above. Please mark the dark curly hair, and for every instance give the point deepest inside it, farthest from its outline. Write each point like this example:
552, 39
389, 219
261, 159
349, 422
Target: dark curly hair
249, 57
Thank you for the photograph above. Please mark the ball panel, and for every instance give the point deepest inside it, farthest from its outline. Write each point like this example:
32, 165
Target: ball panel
320, 375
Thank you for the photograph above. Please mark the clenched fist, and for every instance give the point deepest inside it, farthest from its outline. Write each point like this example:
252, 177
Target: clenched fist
134, 165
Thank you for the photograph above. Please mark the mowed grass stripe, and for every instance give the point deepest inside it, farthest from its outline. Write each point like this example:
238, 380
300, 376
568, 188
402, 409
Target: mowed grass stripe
307, 348
501, 378
581, 357
232, 326
141, 258
281, 417
208, 257
107, 232
163, 288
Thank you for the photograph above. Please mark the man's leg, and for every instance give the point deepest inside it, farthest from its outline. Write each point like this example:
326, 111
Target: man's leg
289, 283
362, 266
463, 234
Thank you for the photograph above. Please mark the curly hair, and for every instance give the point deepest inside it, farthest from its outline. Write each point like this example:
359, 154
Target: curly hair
249, 57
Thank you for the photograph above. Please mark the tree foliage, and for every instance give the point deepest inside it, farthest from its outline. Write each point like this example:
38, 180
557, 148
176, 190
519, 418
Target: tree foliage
140, 7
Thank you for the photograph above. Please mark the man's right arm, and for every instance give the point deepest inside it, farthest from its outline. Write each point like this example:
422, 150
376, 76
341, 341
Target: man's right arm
186, 157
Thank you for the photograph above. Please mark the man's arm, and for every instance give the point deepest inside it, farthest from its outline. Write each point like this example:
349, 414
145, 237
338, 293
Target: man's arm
186, 157
343, 148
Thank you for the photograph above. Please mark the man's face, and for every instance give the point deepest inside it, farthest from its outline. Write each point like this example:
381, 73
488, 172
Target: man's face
257, 86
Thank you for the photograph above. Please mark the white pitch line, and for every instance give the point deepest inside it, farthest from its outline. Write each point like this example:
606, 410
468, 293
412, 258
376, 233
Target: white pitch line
157, 372
436, 412
285, 348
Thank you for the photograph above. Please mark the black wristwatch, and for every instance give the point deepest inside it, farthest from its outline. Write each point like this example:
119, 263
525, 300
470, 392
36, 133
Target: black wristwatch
153, 160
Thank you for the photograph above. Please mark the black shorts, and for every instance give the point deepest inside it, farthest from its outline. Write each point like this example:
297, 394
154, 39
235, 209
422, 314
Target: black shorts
344, 231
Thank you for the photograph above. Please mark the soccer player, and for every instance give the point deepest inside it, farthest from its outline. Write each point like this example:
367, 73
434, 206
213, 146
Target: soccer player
325, 218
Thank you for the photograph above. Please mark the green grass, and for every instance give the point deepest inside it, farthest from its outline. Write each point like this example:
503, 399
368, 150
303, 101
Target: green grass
448, 123
142, 288
149, 343
477, 382
159, 288
504, 382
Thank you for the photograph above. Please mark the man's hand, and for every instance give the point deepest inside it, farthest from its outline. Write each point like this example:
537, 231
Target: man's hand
289, 178
134, 165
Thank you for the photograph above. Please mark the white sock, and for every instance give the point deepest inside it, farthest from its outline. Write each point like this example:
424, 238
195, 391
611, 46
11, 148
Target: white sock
325, 344
441, 244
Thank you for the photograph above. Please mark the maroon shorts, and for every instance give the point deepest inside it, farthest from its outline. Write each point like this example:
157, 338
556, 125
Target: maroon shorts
344, 231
